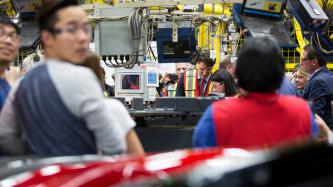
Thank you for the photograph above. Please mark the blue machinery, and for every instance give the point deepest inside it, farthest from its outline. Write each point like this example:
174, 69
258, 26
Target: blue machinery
312, 20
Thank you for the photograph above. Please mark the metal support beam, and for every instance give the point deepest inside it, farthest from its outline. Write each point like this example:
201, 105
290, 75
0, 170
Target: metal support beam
149, 3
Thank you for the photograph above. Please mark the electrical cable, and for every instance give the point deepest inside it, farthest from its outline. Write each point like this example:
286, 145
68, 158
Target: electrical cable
317, 41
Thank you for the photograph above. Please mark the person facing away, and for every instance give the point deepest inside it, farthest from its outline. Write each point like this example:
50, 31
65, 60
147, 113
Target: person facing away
223, 84
9, 47
260, 118
319, 89
59, 106
195, 82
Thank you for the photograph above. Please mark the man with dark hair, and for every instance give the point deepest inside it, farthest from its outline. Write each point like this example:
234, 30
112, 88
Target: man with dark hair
59, 106
9, 47
320, 85
195, 82
261, 117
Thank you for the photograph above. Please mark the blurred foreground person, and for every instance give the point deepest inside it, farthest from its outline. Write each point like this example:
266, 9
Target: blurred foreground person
59, 107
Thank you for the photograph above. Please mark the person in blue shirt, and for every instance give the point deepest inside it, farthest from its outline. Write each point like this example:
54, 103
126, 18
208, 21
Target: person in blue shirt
9, 47
287, 88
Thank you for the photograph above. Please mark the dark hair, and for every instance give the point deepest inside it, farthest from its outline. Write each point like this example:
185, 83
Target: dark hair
92, 62
47, 14
223, 76
204, 57
5, 20
260, 65
315, 54
225, 62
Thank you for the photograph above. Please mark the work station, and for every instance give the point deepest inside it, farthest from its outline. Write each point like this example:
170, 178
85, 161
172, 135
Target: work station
166, 92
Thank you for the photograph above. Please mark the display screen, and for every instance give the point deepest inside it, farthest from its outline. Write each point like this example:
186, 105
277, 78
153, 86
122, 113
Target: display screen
130, 82
180, 49
274, 6
26, 6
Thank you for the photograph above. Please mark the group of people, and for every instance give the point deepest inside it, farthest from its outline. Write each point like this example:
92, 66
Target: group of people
198, 80
264, 117
58, 107
262, 109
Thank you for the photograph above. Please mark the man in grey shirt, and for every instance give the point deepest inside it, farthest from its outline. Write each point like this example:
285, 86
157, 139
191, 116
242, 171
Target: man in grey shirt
59, 108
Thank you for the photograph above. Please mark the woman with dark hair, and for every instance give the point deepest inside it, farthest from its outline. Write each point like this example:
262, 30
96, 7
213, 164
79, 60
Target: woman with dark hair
223, 84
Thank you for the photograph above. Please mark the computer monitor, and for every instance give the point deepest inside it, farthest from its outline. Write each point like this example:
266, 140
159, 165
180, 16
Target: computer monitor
131, 82
141, 81
170, 51
264, 7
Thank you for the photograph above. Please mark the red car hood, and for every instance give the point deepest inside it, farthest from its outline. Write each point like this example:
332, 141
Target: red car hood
121, 170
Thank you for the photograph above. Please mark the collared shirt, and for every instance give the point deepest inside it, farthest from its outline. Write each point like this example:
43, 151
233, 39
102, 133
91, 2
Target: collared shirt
205, 83
311, 75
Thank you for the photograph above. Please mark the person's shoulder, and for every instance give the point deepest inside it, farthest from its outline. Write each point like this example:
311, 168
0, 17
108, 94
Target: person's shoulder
69, 68
324, 80
67, 76
323, 73
70, 72
226, 103
296, 101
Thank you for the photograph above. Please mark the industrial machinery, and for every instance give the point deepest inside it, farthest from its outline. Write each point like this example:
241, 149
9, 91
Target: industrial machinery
141, 81
27, 13
124, 36
313, 22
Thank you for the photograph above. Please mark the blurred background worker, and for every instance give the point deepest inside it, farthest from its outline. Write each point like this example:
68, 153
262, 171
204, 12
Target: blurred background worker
181, 68
9, 47
170, 81
195, 82
261, 117
227, 64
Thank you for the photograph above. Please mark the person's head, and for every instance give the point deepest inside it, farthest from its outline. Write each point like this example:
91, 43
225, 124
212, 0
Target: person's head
9, 40
301, 78
227, 64
312, 59
223, 82
204, 65
64, 30
260, 65
181, 68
